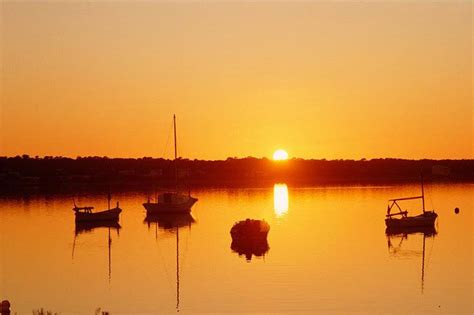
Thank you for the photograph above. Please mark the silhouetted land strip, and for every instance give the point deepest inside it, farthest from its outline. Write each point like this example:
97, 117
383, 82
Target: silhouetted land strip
59, 173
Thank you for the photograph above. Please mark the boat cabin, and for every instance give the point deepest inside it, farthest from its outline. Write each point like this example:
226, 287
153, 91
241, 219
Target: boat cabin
83, 209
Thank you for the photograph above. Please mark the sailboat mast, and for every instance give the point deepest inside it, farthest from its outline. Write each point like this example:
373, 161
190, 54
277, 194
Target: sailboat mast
175, 154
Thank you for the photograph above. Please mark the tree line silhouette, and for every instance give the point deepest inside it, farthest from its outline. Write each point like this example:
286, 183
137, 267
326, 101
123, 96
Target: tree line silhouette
59, 172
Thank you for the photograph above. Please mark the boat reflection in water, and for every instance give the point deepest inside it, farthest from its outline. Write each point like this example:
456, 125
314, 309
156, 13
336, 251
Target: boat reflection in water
171, 222
280, 199
249, 238
256, 248
401, 234
88, 227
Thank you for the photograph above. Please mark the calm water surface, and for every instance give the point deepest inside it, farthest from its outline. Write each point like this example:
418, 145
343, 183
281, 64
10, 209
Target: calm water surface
328, 253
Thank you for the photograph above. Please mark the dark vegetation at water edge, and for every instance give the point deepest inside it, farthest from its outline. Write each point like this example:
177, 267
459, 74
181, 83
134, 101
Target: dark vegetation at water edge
21, 172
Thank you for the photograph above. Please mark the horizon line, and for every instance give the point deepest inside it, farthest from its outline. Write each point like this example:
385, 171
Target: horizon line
44, 157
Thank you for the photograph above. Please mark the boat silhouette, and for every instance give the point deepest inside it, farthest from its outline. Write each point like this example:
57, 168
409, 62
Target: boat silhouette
402, 220
85, 214
173, 201
249, 238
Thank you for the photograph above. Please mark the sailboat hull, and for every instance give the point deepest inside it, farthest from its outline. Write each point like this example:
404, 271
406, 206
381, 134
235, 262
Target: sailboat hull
426, 219
153, 208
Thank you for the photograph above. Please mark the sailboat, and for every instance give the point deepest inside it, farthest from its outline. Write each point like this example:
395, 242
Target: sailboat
425, 219
174, 201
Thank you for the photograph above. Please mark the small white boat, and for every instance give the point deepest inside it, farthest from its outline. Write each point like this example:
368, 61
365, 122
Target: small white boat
400, 220
171, 202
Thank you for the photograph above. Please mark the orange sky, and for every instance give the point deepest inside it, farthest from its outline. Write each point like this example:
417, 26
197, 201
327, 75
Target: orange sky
321, 80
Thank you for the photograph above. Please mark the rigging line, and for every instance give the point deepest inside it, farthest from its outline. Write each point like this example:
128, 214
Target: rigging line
430, 192
167, 140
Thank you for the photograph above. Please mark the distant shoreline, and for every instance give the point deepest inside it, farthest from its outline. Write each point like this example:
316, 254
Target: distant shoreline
19, 174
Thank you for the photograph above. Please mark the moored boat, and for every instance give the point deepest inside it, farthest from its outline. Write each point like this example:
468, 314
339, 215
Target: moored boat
85, 214
174, 201
170, 202
250, 229
401, 219
249, 238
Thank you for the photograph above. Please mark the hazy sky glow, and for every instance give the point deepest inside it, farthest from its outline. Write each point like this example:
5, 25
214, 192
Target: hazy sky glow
319, 79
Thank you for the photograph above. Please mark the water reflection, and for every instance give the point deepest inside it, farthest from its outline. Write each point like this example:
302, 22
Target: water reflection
249, 248
88, 227
400, 235
306, 257
280, 199
171, 222
168, 221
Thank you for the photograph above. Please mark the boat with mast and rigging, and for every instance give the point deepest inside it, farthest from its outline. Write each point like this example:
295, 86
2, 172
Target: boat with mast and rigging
401, 220
173, 201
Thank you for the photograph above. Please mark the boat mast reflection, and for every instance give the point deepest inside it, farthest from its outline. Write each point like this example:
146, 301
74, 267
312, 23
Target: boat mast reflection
402, 234
171, 222
88, 227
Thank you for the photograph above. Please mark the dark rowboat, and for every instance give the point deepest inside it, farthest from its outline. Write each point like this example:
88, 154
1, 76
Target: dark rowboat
400, 220
85, 214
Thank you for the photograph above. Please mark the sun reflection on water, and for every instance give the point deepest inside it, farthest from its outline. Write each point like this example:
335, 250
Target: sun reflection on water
280, 199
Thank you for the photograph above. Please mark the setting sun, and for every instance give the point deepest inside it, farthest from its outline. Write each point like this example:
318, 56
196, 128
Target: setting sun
280, 155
